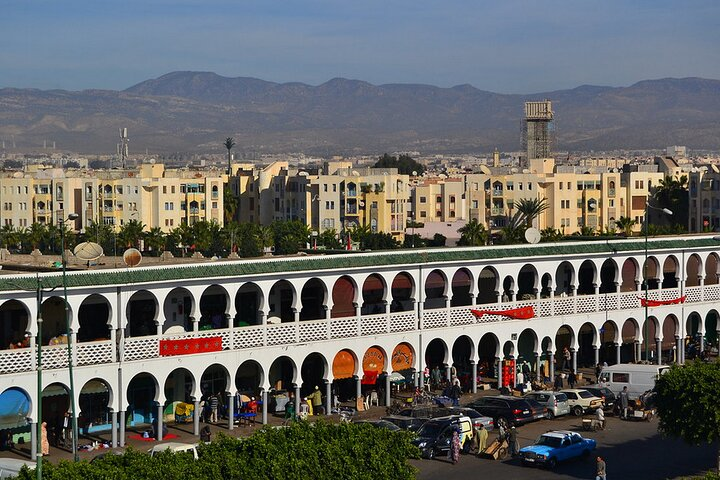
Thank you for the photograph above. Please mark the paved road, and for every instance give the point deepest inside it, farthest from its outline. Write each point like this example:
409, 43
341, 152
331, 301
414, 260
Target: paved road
632, 450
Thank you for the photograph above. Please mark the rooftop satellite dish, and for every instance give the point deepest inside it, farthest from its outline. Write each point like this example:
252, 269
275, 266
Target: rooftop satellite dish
88, 251
532, 235
132, 257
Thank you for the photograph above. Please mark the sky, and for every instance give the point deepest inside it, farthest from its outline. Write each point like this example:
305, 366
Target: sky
507, 46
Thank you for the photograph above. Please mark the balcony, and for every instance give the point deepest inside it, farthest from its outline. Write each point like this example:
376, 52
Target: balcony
497, 211
611, 192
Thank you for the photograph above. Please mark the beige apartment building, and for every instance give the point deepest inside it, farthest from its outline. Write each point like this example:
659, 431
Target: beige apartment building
704, 199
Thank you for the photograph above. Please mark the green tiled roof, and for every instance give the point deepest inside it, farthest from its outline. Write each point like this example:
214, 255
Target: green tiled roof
328, 262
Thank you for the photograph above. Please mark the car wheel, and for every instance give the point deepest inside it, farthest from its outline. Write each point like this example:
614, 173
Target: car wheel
502, 422
578, 411
549, 415
551, 464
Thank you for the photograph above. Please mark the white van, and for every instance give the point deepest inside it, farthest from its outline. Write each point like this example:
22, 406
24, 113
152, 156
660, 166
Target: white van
637, 378
10, 467
175, 447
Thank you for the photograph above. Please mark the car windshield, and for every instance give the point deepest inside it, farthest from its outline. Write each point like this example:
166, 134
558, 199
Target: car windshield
548, 440
561, 397
430, 429
585, 394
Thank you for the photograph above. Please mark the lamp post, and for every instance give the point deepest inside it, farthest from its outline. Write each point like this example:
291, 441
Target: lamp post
71, 217
645, 268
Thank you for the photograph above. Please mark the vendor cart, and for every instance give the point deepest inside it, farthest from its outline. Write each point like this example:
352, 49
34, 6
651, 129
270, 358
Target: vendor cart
592, 424
643, 408
497, 450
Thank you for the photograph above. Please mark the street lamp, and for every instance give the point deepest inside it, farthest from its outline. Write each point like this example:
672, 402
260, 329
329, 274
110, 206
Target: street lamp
645, 274
71, 217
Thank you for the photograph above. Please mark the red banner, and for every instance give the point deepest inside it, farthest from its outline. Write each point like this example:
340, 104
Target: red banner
189, 346
658, 303
522, 313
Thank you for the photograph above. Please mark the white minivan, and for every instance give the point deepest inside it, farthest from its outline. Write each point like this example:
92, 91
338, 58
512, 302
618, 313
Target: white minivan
638, 378
10, 467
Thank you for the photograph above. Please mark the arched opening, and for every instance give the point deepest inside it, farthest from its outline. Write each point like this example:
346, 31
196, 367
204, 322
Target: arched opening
373, 293
546, 348
94, 319
435, 288
313, 372
179, 311
711, 330
94, 407
178, 388
462, 353
669, 346
488, 286
54, 326
650, 334
586, 343
711, 269
142, 392
586, 278
546, 285
248, 304
344, 368
629, 276
694, 338
527, 283
488, 351
214, 304
402, 293
629, 339
15, 410
312, 299
608, 338
55, 405
142, 314
281, 301
14, 325
215, 380
608, 276
508, 288
373, 365
461, 288
527, 345
436, 354
509, 350
282, 374
693, 271
343, 296
670, 272
249, 378
564, 339
650, 273
565, 279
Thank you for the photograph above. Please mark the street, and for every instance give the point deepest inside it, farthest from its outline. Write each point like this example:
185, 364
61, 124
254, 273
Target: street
632, 450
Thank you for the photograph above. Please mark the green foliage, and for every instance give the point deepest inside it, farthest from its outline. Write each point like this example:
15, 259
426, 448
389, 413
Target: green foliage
320, 451
289, 237
473, 234
550, 234
379, 241
625, 224
687, 402
438, 240
414, 241
329, 239
404, 163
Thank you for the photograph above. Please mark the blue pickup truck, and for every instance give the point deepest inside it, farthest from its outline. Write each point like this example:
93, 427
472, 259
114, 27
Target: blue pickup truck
556, 446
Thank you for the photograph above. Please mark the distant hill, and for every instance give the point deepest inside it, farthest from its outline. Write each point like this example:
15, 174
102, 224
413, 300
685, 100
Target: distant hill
195, 111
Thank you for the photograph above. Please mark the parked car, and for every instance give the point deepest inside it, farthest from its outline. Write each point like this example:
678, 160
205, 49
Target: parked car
556, 446
381, 424
434, 437
582, 401
175, 447
476, 417
412, 418
604, 393
506, 410
556, 403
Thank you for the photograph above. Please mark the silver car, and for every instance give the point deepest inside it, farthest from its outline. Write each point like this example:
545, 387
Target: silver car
555, 402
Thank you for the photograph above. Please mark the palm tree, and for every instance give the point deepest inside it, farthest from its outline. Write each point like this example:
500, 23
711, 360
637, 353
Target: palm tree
35, 234
550, 234
10, 236
531, 208
625, 224
229, 144
130, 233
230, 205
473, 234
155, 240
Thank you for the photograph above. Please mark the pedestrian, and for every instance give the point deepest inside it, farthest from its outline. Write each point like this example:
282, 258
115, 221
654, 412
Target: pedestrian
572, 379
566, 358
598, 371
435, 379
482, 435
205, 434
600, 414
44, 440
624, 401
315, 402
454, 452
600, 469
455, 394
558, 382
214, 402
513, 442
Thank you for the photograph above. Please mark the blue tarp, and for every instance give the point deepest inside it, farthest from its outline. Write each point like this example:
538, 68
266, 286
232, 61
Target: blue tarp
14, 408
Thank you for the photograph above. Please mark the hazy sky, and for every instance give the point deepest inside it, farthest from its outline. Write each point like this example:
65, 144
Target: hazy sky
518, 46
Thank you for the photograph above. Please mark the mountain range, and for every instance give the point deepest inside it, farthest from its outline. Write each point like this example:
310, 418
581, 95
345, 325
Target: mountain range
195, 111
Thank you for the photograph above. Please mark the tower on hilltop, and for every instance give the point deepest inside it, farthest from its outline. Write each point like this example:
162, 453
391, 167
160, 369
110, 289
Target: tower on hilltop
538, 130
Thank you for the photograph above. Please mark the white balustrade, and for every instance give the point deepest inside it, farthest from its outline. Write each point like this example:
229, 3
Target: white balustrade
373, 324
343, 327
16, 360
281, 334
94, 353
313, 330
248, 337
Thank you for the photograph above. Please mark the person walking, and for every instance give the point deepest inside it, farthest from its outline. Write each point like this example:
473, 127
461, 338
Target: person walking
600, 469
45, 445
566, 358
214, 402
624, 402
482, 435
598, 371
572, 379
455, 394
513, 442
558, 382
600, 416
315, 401
435, 379
454, 452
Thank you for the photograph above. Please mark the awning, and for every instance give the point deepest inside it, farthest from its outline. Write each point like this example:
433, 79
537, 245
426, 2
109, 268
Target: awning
14, 408
396, 377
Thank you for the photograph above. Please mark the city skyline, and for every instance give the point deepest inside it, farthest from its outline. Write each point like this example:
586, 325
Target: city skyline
513, 47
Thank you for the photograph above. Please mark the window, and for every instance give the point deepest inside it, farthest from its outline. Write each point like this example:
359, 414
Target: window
325, 189
214, 204
561, 185
164, 189
621, 377
423, 200
183, 188
438, 199
452, 198
520, 186
611, 203
334, 187
474, 204
569, 185
172, 189
423, 214
183, 205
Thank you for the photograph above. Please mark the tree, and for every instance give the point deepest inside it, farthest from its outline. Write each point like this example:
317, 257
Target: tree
585, 231
687, 402
230, 205
473, 234
229, 144
550, 234
379, 241
438, 240
289, 237
405, 164
531, 208
625, 224
10, 236
672, 193
155, 240
329, 239
130, 233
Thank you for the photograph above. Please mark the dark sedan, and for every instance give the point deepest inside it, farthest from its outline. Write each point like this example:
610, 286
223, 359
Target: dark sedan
603, 392
506, 410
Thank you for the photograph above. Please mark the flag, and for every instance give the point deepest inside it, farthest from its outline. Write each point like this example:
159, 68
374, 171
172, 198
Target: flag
190, 345
658, 303
522, 313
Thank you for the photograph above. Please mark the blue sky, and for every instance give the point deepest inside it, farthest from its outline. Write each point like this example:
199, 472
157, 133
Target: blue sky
508, 46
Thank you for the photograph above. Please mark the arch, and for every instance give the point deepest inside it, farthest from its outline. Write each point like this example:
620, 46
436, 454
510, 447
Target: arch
630, 333
488, 351
609, 276
282, 373
670, 331
693, 328
249, 377
693, 270
141, 314
435, 290
214, 305
281, 301
461, 286
94, 404
587, 278
249, 305
436, 353
344, 297
142, 393
215, 379
462, 354
546, 285
508, 350
527, 346
630, 275
94, 318
15, 321
712, 265
488, 286
55, 400
587, 340
403, 293
313, 298
374, 363
344, 368
54, 322
711, 328
564, 339
373, 294
564, 279
15, 408
179, 386
527, 282
609, 336
403, 357
651, 268
650, 335
313, 372
671, 272
546, 345
508, 288
178, 310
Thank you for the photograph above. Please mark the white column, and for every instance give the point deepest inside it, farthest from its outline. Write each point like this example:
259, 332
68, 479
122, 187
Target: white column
231, 411
679, 351
328, 397
159, 434
113, 429
447, 373
618, 348
551, 367
387, 389
122, 428
297, 399
658, 350
574, 360
473, 364
358, 387
196, 418
33, 441
538, 372
499, 372
596, 350
264, 407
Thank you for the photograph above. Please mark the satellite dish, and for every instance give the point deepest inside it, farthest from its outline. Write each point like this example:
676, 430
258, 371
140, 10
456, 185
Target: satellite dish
88, 251
532, 235
132, 257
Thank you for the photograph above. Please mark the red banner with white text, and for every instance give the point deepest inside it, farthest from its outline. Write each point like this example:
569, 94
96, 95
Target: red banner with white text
522, 313
658, 303
189, 346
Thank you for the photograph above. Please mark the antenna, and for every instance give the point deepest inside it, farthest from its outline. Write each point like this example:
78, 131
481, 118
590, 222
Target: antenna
123, 146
